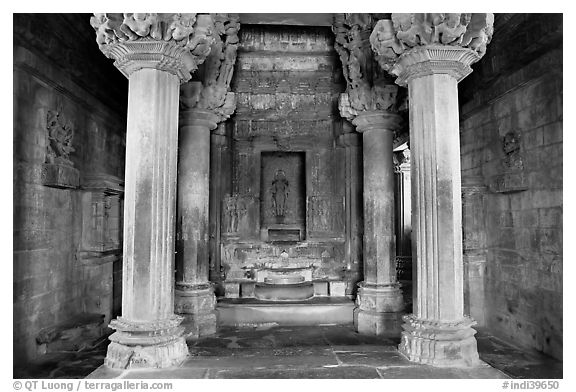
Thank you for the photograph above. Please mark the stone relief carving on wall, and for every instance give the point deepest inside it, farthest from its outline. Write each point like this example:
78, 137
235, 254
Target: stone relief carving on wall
60, 136
513, 178
234, 210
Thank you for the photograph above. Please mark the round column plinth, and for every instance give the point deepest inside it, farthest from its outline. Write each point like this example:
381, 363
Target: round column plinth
439, 343
158, 344
197, 305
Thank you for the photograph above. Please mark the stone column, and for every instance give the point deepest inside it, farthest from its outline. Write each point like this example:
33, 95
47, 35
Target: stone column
437, 333
220, 173
204, 104
352, 143
379, 297
474, 244
371, 103
403, 215
194, 293
148, 334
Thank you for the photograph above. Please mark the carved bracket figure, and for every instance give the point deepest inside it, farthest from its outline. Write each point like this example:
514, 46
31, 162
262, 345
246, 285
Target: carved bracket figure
213, 93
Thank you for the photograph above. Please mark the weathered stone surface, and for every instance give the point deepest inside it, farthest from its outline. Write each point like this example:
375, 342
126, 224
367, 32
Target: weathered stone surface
517, 309
50, 287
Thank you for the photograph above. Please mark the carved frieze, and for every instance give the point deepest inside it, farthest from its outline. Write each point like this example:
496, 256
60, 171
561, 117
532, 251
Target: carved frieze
213, 93
392, 38
280, 131
175, 43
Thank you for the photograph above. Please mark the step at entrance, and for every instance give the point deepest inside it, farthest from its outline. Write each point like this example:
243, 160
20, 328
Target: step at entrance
315, 311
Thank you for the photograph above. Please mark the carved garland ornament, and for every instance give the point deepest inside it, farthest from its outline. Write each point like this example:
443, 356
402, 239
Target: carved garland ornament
176, 43
213, 93
392, 38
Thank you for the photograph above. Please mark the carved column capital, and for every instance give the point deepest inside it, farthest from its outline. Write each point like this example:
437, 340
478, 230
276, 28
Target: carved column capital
213, 93
414, 45
377, 120
175, 43
402, 161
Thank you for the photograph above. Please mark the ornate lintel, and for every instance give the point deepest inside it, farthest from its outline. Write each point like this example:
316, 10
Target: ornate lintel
214, 92
412, 45
175, 43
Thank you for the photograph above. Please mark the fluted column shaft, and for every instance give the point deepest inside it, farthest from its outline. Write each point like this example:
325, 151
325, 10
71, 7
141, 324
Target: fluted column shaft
437, 332
379, 297
149, 212
194, 293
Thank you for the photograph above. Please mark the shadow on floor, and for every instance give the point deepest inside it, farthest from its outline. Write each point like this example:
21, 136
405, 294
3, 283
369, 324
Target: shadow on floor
300, 352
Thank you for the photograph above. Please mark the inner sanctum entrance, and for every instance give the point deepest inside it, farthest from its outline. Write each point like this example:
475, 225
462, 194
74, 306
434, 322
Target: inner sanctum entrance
287, 257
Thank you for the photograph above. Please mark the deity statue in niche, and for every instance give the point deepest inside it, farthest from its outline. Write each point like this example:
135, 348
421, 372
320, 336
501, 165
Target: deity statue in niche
280, 189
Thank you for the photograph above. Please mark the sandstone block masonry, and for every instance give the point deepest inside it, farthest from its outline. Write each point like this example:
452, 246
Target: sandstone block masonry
523, 249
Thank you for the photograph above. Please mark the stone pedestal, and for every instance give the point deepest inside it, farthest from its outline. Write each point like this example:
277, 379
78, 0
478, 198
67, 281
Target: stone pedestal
437, 333
379, 297
148, 333
194, 294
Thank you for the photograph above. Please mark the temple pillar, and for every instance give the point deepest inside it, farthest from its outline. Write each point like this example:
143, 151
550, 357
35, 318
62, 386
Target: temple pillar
352, 143
204, 104
474, 246
403, 201
148, 334
379, 299
220, 172
194, 295
437, 333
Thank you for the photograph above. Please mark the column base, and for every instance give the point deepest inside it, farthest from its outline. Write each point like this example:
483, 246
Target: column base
379, 309
439, 343
377, 323
156, 344
197, 304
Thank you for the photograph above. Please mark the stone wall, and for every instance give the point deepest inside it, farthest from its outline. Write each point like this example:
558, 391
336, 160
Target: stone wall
511, 146
54, 281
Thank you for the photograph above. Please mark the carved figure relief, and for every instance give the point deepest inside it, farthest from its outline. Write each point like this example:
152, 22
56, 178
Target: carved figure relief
511, 146
279, 190
235, 209
60, 135
213, 92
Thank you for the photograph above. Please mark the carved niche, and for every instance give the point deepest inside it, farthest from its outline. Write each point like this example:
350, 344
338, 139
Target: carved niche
58, 170
282, 195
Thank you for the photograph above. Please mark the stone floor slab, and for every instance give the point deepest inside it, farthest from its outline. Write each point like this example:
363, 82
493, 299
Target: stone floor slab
338, 372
